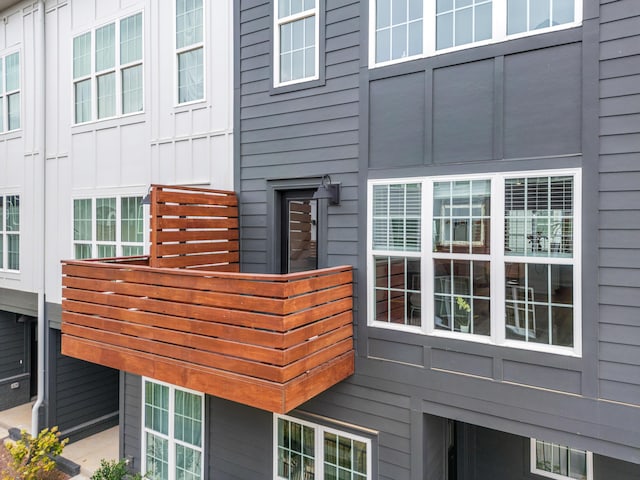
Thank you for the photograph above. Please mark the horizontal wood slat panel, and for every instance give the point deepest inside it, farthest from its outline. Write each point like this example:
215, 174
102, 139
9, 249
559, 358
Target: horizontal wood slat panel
185, 314
202, 320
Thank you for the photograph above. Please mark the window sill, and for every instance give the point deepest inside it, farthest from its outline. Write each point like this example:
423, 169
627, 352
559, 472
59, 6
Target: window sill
297, 86
102, 123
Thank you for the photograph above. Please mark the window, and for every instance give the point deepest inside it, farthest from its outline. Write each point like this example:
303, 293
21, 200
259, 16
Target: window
190, 50
296, 41
10, 92
108, 61
405, 29
9, 232
492, 258
108, 227
305, 450
172, 432
559, 462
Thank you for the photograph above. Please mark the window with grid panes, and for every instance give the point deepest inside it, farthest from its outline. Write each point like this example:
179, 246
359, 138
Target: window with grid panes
560, 462
10, 92
108, 227
173, 432
107, 70
306, 450
406, 29
10, 232
493, 257
190, 50
296, 41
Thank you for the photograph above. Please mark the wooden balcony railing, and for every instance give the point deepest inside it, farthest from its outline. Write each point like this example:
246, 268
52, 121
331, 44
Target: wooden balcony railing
269, 341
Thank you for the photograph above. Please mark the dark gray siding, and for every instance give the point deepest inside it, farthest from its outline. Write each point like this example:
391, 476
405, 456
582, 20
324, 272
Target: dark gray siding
301, 131
238, 439
513, 461
619, 339
14, 360
83, 397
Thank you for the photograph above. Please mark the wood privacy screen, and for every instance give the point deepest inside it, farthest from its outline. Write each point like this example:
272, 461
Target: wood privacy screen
268, 341
194, 228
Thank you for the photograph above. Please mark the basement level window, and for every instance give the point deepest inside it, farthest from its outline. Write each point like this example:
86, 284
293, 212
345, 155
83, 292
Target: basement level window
560, 462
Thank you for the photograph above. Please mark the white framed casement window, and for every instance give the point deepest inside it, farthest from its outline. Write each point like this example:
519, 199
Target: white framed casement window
295, 41
10, 92
108, 70
10, 232
172, 432
307, 450
190, 53
401, 30
106, 227
493, 258
560, 462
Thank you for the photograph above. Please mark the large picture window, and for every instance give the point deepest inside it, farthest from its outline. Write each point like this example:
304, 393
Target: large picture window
295, 41
190, 50
108, 227
172, 432
107, 70
493, 258
305, 450
560, 462
405, 29
10, 92
9, 232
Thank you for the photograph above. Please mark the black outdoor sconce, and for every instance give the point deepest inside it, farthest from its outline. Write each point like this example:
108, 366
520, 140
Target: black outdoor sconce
328, 190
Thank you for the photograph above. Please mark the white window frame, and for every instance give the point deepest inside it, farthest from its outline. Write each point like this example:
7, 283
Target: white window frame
319, 431
497, 259
277, 23
117, 70
499, 31
4, 234
171, 435
557, 476
118, 243
5, 94
188, 48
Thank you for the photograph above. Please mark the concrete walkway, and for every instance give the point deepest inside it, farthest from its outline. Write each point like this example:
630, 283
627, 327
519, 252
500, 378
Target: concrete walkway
87, 452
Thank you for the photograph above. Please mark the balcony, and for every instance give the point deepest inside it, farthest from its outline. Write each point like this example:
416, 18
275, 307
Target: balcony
185, 315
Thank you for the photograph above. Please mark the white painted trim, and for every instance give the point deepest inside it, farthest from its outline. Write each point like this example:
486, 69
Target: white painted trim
171, 435
4, 259
194, 46
497, 258
499, 31
277, 22
319, 431
117, 69
556, 476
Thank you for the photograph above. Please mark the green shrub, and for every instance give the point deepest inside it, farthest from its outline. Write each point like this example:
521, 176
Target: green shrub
31, 457
112, 470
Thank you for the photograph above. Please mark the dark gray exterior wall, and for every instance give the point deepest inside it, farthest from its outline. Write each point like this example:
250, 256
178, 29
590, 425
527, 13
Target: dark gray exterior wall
619, 185
82, 397
530, 103
296, 134
14, 359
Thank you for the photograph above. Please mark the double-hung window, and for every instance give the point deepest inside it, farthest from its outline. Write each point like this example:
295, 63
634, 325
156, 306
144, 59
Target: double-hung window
9, 232
108, 227
296, 38
190, 50
107, 70
307, 450
172, 432
405, 29
559, 462
10, 92
493, 258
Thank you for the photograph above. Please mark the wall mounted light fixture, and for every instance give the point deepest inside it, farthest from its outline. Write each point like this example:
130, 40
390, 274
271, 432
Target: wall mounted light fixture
329, 191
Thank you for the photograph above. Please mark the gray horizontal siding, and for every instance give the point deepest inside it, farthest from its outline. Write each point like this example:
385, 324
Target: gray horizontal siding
296, 132
619, 331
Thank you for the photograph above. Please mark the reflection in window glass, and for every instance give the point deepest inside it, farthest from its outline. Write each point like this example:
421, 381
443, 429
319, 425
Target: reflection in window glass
558, 461
462, 22
530, 15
